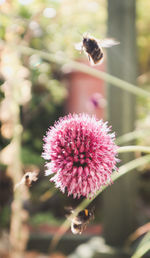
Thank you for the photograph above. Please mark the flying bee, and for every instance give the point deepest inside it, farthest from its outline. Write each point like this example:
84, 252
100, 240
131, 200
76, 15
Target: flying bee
27, 179
80, 221
93, 48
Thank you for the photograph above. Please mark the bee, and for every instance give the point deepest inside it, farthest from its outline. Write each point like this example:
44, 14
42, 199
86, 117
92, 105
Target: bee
80, 221
93, 48
27, 179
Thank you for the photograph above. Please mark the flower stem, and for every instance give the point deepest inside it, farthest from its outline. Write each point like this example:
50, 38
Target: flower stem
122, 170
110, 79
142, 250
132, 136
73, 65
134, 148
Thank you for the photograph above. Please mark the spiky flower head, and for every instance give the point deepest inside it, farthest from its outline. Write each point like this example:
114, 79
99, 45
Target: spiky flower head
81, 153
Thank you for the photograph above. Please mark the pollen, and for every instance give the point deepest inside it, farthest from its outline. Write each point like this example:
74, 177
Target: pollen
86, 212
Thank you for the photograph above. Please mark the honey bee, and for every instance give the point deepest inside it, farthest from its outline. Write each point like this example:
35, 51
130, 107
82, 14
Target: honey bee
80, 221
93, 48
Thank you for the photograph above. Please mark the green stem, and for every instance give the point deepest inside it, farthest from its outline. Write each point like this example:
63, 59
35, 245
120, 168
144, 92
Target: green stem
110, 79
122, 170
143, 246
133, 148
73, 65
142, 250
132, 136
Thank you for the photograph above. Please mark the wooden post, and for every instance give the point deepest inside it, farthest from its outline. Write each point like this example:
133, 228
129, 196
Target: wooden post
119, 199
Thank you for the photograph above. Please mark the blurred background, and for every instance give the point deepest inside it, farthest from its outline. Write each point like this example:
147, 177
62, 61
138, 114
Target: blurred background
39, 84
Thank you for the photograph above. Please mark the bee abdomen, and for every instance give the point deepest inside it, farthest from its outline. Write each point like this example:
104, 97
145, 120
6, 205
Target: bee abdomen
97, 55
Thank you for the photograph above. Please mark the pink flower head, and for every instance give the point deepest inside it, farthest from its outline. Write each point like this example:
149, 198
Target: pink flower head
81, 153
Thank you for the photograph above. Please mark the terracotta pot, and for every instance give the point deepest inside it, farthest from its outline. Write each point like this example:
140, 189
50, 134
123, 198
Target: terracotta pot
81, 88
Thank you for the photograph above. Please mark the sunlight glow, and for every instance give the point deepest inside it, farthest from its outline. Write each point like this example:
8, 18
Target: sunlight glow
2, 2
25, 2
49, 12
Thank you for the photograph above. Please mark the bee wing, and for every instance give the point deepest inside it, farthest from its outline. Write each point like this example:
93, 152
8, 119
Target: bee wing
78, 46
69, 210
108, 42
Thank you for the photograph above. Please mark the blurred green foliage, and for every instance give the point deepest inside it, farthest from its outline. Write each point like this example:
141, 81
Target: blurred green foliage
44, 218
143, 52
143, 35
5, 217
54, 26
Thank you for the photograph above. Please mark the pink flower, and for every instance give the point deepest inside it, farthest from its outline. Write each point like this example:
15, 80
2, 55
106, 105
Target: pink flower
81, 153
